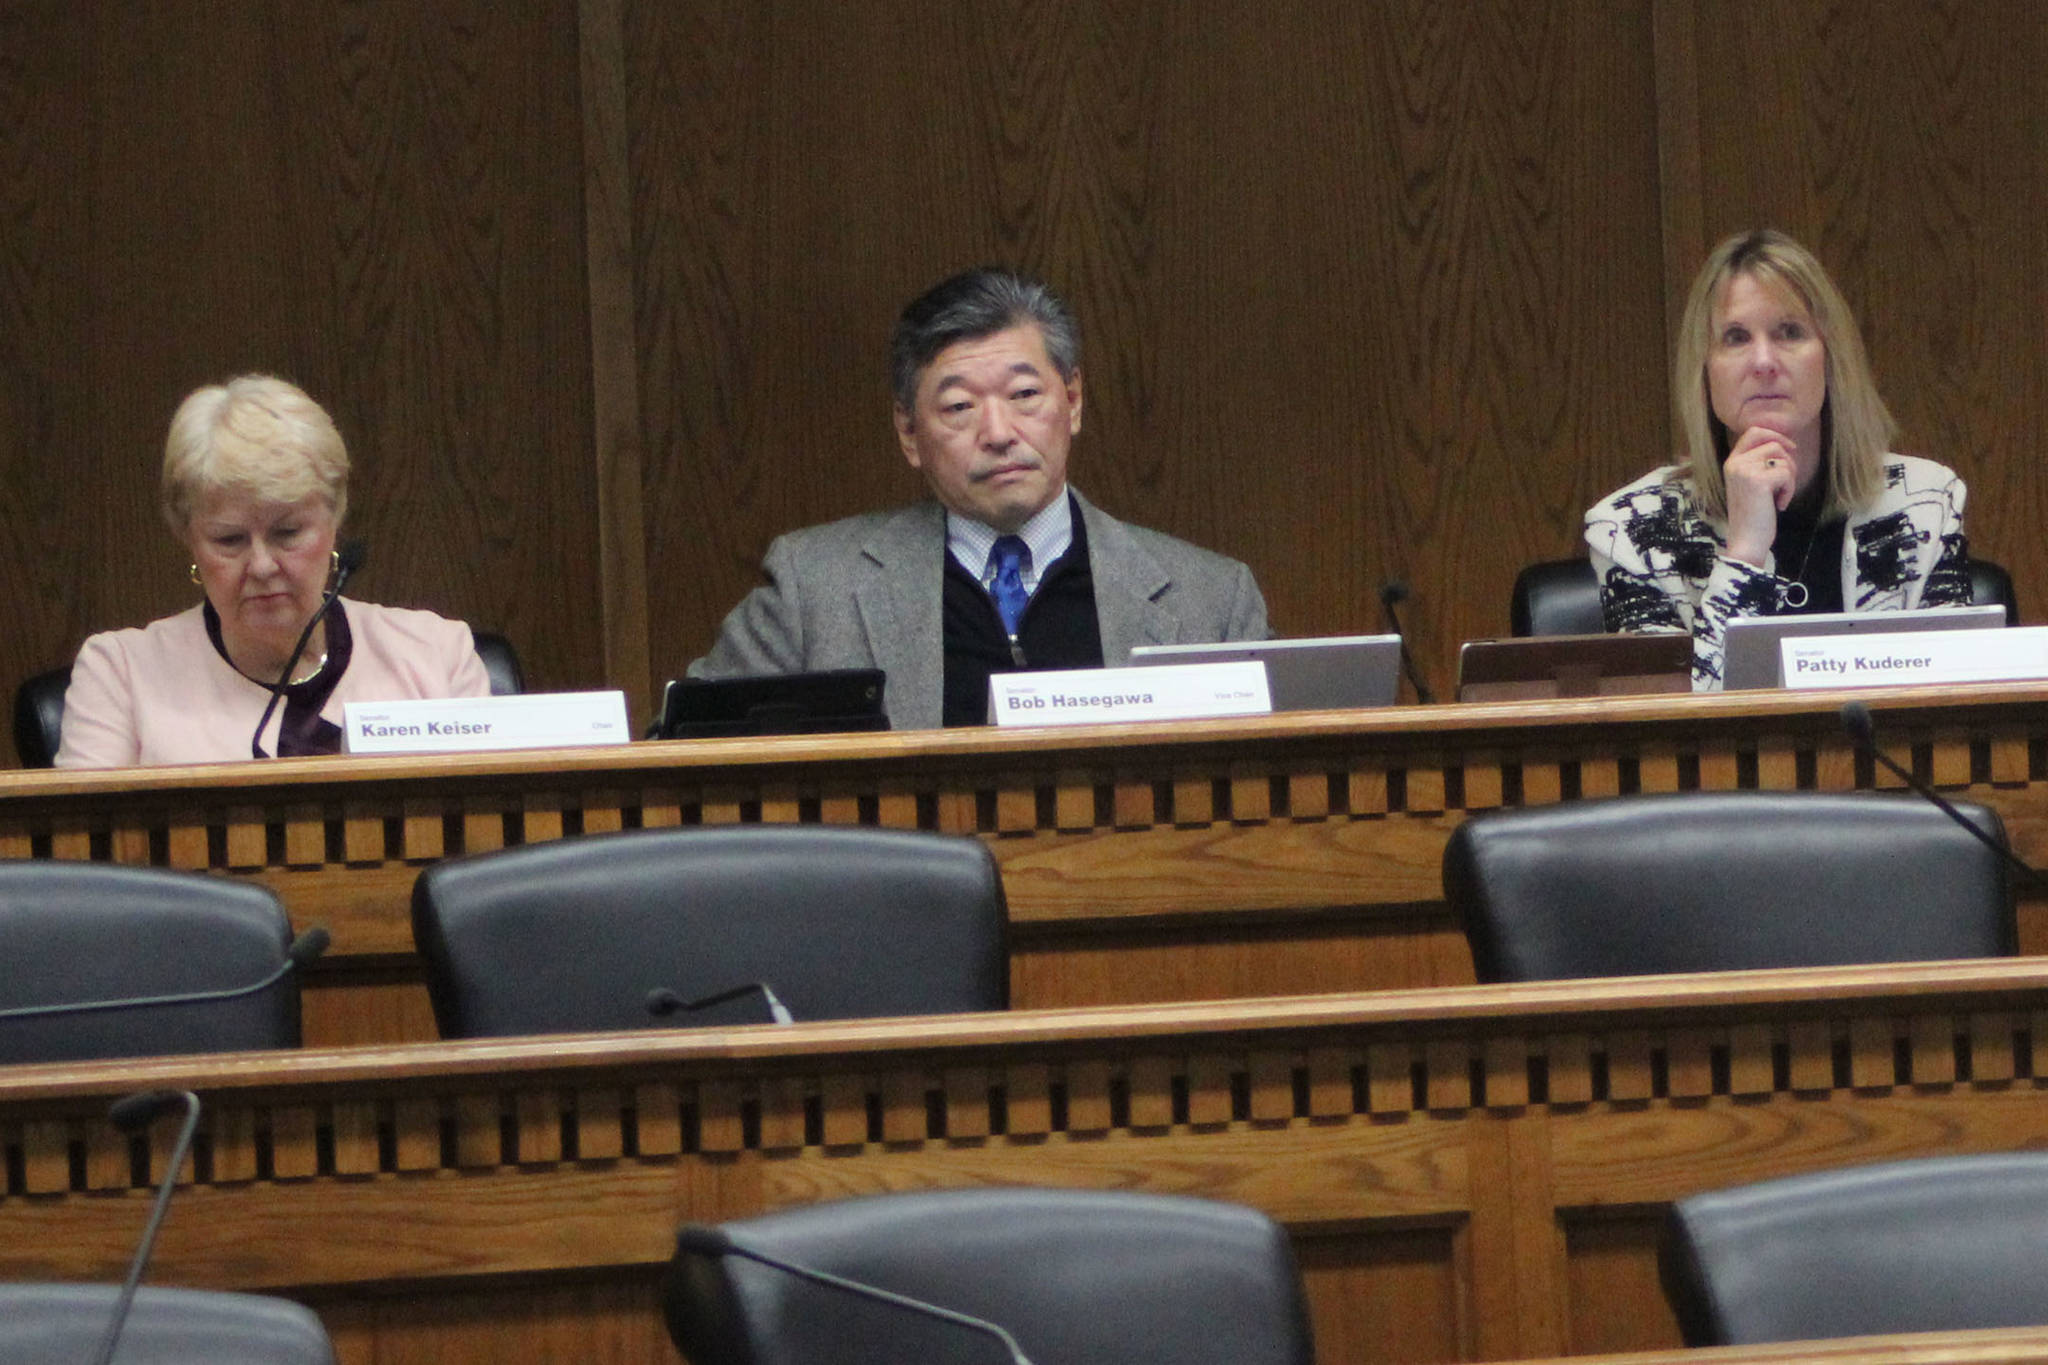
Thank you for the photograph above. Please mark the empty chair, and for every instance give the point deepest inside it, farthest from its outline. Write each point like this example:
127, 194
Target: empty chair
838, 921
78, 932
1943, 1243
1075, 1276
61, 1324
1562, 596
1715, 881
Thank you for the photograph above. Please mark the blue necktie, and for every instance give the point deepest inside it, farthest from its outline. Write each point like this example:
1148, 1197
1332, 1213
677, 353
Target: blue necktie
1008, 555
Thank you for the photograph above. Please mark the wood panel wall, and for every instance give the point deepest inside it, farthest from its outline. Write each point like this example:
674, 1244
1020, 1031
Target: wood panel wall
599, 289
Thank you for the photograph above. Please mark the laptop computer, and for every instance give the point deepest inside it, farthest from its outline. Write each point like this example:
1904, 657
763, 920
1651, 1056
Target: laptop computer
1331, 673
1750, 656
829, 702
1542, 667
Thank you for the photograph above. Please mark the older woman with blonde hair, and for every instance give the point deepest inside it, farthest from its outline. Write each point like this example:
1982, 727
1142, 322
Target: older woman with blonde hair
1789, 499
255, 486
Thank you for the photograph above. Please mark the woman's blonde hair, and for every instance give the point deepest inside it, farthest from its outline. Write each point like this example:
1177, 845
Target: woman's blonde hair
1856, 427
256, 435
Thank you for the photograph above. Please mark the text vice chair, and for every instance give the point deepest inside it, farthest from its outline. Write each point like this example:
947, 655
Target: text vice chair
1719, 881
1938, 1244
62, 1324
837, 921
1562, 597
74, 933
1075, 1276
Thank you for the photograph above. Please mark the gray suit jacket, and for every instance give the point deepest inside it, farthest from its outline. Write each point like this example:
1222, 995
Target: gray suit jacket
865, 593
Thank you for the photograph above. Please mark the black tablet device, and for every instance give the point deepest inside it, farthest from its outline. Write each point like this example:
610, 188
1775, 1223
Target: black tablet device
783, 704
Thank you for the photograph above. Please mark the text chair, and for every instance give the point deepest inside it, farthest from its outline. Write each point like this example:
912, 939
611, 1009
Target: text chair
62, 1324
839, 921
39, 701
1719, 881
1562, 597
1075, 1276
1938, 1244
73, 932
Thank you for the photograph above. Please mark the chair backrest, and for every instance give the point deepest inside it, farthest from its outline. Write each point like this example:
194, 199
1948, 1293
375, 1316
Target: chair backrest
39, 717
501, 662
1715, 881
1562, 597
842, 922
1938, 1244
1074, 1275
72, 932
61, 1324
1991, 585
1556, 597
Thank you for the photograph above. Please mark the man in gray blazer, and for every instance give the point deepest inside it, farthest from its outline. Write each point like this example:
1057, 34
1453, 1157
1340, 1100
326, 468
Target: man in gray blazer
1008, 568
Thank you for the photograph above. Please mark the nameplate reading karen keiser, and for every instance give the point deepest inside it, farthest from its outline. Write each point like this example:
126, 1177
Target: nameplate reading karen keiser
1091, 696
541, 720
1925, 656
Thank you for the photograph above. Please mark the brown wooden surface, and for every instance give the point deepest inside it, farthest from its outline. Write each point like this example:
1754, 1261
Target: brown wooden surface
2013, 1345
598, 289
1481, 1166
1146, 862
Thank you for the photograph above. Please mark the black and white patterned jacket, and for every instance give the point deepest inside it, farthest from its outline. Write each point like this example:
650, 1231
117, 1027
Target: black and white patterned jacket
1663, 567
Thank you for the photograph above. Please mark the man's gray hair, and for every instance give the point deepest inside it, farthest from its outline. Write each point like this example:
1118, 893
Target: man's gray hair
972, 305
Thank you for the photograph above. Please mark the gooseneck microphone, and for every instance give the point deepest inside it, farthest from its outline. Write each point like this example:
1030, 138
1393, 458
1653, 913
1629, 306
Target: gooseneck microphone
1862, 729
662, 1002
704, 1240
1392, 594
347, 560
132, 1114
300, 955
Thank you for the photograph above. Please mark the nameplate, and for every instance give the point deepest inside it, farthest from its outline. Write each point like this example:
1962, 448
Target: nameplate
1091, 696
542, 720
1926, 656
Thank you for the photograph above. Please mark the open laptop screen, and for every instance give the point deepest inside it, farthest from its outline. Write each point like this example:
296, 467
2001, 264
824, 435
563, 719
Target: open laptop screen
1331, 673
1750, 655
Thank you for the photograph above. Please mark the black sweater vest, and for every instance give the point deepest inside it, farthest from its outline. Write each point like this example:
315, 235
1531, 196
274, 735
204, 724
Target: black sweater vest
1059, 629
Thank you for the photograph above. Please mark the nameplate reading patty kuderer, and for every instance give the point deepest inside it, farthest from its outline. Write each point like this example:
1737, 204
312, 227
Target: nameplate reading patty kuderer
1927, 656
542, 720
1090, 696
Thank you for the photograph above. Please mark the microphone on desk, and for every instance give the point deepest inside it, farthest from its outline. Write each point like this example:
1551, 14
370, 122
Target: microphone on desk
662, 1002
300, 955
703, 1240
1862, 730
1392, 593
347, 560
132, 1114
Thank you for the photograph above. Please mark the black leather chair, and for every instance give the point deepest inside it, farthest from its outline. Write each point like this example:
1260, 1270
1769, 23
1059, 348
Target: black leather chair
1562, 597
841, 922
39, 717
72, 932
1939, 1244
1073, 1275
61, 1324
39, 702
501, 662
1717, 881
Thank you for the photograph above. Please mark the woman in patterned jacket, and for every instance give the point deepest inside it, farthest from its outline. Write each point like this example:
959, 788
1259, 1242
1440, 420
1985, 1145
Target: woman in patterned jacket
1788, 500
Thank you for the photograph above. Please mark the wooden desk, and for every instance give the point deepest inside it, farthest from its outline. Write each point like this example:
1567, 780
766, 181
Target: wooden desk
1470, 1173
1999, 1346
1162, 862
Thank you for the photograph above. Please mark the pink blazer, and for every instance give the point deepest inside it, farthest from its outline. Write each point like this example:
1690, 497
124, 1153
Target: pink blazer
162, 694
